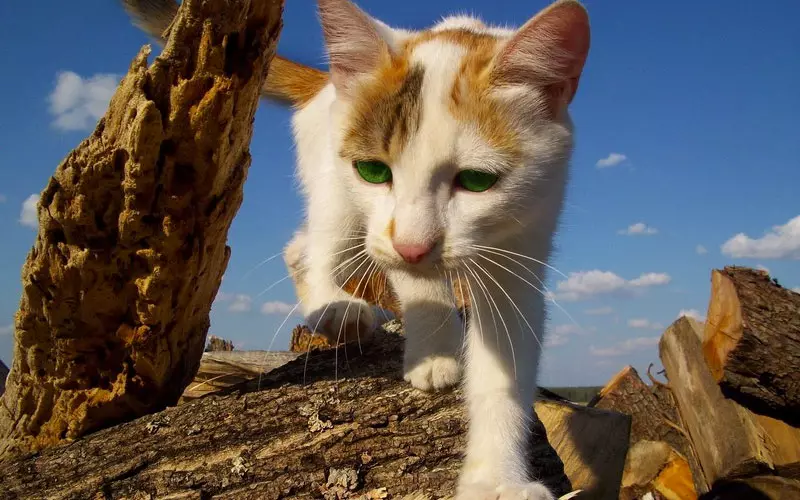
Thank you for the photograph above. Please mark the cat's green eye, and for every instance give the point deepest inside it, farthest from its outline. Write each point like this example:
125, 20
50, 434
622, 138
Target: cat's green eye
373, 171
475, 180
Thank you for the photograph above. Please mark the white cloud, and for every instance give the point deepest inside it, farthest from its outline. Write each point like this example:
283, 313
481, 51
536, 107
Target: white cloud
625, 347
277, 307
781, 242
692, 313
584, 284
7, 330
3, 198
700, 250
29, 216
651, 279
762, 267
554, 340
639, 228
77, 103
240, 303
612, 160
600, 311
644, 324
796, 289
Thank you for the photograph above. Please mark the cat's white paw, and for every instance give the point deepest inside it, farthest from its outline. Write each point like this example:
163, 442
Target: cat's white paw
433, 373
519, 491
344, 320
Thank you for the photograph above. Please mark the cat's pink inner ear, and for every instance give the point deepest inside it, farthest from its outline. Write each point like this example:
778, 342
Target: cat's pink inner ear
353, 42
550, 49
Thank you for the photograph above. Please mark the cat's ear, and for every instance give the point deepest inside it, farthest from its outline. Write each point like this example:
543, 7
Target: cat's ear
354, 40
549, 50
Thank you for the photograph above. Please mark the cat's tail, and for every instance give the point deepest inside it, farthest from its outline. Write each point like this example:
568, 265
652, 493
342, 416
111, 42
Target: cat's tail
288, 82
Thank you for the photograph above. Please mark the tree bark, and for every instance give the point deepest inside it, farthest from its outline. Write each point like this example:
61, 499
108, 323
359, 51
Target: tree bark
132, 229
752, 342
353, 428
729, 439
755, 488
654, 417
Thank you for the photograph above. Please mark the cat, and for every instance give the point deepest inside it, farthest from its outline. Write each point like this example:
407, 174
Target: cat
437, 157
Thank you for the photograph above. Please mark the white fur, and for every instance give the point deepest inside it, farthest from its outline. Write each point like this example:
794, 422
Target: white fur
520, 214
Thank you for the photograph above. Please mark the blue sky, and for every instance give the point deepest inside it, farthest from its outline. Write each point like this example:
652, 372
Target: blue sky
687, 159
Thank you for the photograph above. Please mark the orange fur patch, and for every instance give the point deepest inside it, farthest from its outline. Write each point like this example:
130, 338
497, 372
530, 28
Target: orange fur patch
292, 82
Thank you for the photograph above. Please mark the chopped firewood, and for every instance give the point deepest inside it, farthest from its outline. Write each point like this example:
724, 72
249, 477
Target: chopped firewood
592, 443
752, 342
654, 416
729, 439
655, 467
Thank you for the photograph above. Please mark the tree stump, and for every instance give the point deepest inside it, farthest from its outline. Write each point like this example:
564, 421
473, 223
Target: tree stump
132, 229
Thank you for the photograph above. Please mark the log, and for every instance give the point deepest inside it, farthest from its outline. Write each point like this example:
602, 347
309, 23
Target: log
592, 443
223, 369
656, 467
729, 439
355, 428
654, 416
132, 228
752, 342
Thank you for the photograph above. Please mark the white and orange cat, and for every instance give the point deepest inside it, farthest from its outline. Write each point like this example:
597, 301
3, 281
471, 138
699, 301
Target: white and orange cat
434, 155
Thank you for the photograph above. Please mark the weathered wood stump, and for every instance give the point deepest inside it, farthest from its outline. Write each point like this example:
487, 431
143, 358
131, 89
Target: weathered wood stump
132, 229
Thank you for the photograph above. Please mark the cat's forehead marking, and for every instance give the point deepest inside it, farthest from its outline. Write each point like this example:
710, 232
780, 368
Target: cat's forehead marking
387, 110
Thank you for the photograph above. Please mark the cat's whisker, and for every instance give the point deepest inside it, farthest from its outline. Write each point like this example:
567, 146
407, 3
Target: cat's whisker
477, 309
365, 258
274, 336
545, 264
546, 293
513, 304
463, 312
248, 273
344, 320
508, 333
273, 285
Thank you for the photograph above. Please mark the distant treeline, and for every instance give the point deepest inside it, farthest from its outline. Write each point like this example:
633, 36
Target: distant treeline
576, 394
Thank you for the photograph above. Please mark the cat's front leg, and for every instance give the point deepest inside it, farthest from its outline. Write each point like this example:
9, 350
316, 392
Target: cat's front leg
502, 355
433, 331
328, 309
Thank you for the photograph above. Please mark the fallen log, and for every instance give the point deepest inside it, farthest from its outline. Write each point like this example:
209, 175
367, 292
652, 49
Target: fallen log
654, 415
752, 342
655, 467
729, 439
132, 229
354, 429
592, 443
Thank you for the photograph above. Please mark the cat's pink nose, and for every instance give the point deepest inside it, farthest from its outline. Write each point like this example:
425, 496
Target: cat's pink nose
413, 253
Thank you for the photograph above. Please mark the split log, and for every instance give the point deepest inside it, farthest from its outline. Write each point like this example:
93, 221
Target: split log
355, 423
729, 439
752, 342
132, 229
592, 443
655, 467
654, 415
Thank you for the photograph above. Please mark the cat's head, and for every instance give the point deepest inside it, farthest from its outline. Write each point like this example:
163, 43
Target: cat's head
454, 137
